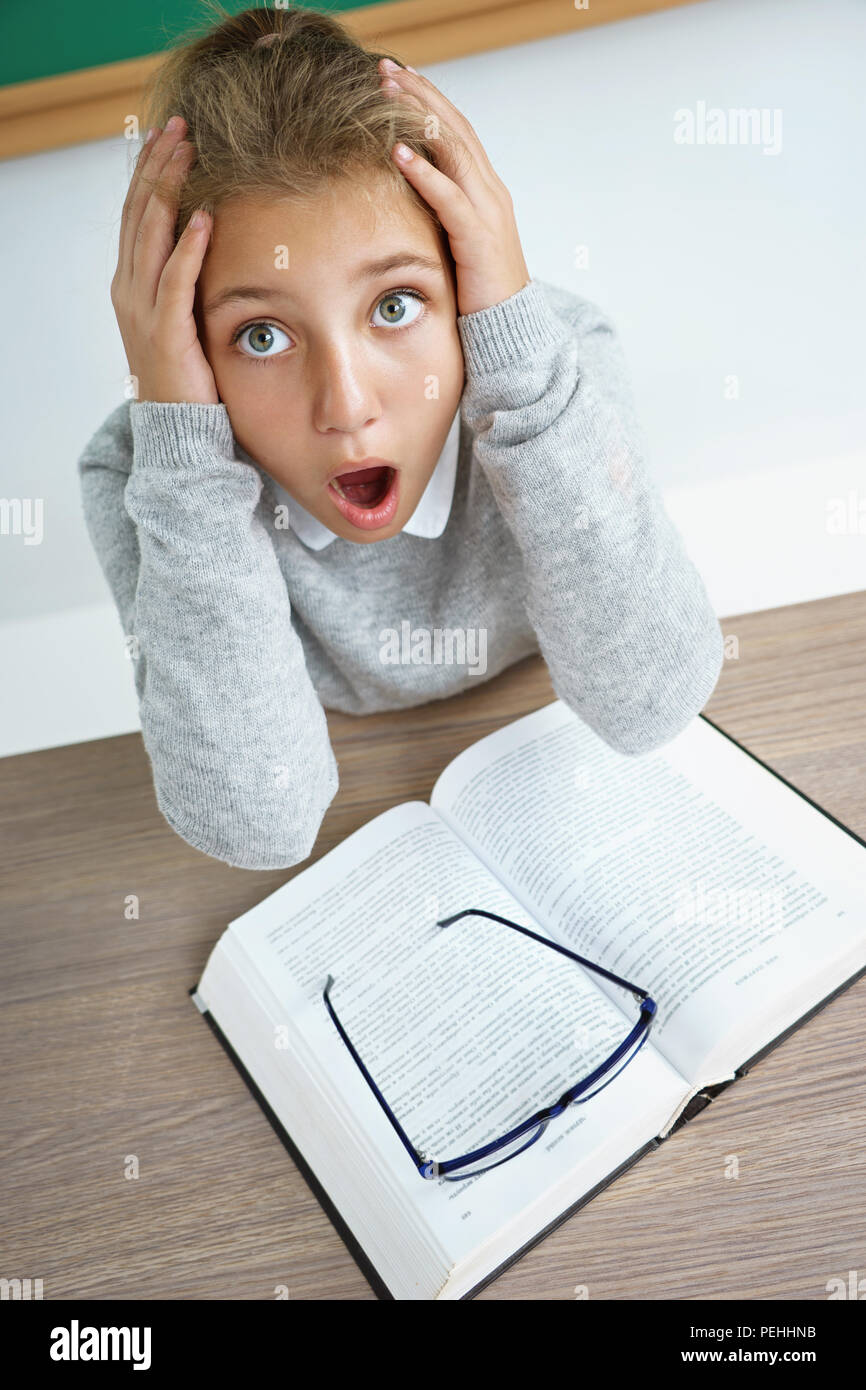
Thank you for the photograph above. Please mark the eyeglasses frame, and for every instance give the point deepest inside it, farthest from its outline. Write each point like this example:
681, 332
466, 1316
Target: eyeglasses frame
430, 1169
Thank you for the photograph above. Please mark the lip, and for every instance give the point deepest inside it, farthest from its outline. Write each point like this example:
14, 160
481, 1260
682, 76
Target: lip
350, 467
369, 518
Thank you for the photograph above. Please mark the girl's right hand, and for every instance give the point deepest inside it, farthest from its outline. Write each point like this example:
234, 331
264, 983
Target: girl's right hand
153, 290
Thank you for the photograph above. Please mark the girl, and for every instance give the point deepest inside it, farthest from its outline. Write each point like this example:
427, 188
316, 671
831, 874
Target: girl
440, 441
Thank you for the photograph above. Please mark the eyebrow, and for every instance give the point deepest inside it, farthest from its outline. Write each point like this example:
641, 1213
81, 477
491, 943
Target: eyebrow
370, 270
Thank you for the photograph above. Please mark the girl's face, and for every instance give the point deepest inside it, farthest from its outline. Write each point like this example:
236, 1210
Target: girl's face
361, 360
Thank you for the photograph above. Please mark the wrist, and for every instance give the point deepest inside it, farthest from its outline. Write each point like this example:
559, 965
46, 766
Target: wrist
156, 393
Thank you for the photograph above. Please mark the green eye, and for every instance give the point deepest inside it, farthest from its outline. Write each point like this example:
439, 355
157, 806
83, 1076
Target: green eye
257, 339
394, 311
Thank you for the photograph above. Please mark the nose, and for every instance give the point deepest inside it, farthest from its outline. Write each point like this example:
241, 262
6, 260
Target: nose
344, 391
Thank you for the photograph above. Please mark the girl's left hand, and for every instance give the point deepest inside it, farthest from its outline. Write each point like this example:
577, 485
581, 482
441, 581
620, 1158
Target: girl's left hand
471, 202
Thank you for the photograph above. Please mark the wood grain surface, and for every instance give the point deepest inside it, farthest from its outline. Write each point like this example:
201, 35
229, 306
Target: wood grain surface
105, 1055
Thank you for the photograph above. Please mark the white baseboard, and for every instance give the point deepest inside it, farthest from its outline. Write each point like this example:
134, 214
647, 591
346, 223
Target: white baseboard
762, 540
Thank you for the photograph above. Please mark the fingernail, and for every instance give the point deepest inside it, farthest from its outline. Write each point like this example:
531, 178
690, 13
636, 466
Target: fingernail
150, 134
403, 152
389, 65
408, 69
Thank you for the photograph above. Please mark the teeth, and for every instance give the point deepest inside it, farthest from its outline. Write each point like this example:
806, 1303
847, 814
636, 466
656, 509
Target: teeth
336, 486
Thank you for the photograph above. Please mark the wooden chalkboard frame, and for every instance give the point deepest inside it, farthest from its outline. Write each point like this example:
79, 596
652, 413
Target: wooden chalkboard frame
96, 103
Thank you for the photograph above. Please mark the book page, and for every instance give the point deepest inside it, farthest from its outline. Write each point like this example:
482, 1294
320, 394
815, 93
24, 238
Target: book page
466, 1030
691, 871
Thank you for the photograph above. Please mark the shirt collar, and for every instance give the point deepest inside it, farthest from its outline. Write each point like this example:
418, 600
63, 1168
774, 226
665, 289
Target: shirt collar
429, 518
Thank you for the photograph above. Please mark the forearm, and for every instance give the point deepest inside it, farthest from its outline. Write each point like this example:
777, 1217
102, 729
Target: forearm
621, 614
242, 764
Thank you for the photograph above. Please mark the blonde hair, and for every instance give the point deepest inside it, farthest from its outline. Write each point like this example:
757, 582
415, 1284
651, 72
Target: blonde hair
282, 103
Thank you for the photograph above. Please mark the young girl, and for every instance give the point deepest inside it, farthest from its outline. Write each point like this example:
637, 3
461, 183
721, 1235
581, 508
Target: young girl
440, 441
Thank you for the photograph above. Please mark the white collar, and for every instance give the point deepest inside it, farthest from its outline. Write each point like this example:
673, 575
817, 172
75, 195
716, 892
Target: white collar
429, 518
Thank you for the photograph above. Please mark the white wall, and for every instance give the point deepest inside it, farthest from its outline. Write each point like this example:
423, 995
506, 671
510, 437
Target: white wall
712, 259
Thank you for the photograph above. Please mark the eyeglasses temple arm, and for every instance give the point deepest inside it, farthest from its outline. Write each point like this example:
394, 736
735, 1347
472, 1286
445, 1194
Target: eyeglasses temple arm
417, 1158
640, 994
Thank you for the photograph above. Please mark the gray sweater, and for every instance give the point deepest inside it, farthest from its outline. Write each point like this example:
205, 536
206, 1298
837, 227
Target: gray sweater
241, 635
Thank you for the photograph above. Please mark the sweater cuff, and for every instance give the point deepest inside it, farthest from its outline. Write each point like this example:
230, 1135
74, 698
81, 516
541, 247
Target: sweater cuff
170, 433
509, 333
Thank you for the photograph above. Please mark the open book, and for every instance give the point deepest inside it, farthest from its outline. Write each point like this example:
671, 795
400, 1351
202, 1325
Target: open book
693, 872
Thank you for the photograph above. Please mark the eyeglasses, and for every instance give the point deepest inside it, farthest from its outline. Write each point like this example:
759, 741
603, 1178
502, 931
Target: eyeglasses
510, 1145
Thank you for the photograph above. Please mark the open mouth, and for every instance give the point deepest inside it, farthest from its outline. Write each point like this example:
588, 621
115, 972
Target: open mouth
367, 497
366, 486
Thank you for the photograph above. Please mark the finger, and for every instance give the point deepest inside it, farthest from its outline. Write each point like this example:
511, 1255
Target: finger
429, 96
154, 241
463, 157
456, 161
124, 252
158, 152
451, 204
176, 293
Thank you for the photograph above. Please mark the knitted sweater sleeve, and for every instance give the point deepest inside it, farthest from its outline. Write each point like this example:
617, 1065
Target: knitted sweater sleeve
238, 742
621, 614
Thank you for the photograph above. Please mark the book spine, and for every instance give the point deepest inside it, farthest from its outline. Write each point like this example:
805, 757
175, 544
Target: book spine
697, 1104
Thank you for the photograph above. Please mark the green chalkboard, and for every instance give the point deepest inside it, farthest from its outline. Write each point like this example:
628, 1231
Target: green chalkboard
44, 40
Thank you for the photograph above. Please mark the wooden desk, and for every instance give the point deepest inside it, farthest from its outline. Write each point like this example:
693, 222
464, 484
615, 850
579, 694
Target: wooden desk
105, 1055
